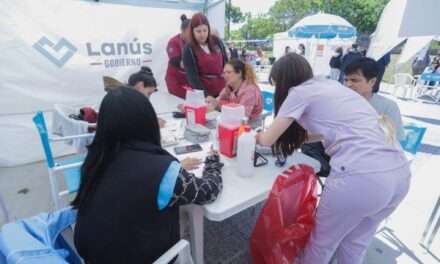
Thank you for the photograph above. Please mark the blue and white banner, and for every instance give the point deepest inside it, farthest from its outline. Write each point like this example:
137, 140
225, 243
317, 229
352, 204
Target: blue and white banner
57, 51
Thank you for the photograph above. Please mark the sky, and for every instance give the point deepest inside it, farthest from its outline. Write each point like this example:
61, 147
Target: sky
254, 6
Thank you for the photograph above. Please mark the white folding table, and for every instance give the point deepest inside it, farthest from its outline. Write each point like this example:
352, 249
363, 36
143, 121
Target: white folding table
238, 193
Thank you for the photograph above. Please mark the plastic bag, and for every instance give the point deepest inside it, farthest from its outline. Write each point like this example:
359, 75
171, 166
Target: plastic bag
286, 220
413, 138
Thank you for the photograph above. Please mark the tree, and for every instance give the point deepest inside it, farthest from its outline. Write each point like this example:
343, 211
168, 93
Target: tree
260, 27
287, 12
236, 35
363, 14
233, 15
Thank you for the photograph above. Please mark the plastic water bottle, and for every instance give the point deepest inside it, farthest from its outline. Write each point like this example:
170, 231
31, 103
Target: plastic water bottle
246, 153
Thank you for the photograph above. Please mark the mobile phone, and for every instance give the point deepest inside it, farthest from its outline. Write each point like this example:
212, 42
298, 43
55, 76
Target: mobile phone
187, 149
178, 115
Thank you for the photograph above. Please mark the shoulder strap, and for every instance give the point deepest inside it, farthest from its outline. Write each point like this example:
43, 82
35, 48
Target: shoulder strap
194, 58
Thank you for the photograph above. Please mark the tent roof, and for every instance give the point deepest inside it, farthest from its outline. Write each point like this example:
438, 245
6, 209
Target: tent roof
322, 19
413, 46
173, 4
322, 25
421, 18
416, 21
386, 36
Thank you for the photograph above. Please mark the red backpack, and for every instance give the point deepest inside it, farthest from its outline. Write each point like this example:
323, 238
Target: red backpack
89, 115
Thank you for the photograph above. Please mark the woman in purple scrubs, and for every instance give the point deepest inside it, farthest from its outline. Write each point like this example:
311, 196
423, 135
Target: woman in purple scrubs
369, 176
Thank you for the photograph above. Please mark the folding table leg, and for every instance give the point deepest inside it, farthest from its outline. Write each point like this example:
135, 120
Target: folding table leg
196, 218
431, 219
433, 233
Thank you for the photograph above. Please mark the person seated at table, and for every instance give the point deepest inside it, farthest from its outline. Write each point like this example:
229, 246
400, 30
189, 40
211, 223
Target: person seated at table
351, 55
241, 88
144, 82
361, 76
131, 188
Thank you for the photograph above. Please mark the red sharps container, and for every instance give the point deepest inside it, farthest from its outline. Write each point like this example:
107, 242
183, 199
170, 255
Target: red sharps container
195, 107
228, 126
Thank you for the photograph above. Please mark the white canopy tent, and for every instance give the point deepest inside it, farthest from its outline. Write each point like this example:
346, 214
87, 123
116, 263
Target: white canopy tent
386, 37
421, 18
56, 52
412, 46
321, 34
413, 20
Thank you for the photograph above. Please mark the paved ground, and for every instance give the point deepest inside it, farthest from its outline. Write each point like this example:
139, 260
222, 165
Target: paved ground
26, 192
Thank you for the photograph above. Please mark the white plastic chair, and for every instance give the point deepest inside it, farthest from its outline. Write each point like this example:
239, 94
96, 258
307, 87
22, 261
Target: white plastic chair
63, 125
406, 82
181, 249
428, 88
69, 168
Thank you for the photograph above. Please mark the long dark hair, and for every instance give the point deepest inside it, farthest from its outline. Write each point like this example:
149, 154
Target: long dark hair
145, 75
124, 115
289, 71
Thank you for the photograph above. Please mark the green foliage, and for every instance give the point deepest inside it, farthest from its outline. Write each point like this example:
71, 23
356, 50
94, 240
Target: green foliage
363, 14
287, 12
260, 27
236, 35
233, 14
